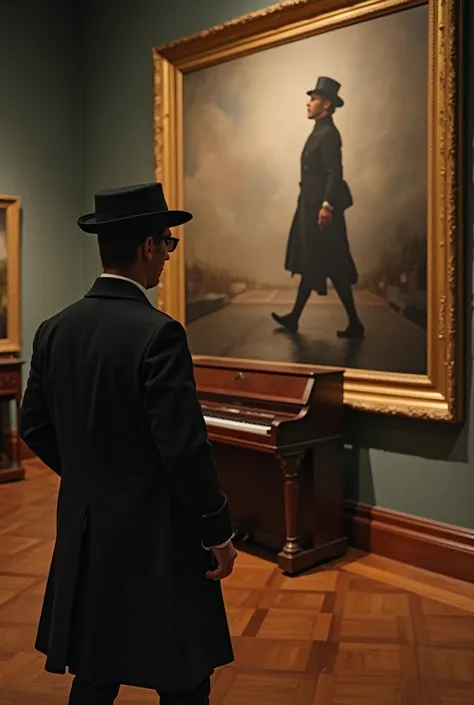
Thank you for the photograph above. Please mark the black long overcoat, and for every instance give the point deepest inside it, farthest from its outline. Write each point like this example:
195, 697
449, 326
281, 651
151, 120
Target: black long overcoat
111, 407
315, 253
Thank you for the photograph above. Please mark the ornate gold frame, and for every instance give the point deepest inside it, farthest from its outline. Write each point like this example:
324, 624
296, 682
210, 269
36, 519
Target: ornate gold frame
11, 206
439, 394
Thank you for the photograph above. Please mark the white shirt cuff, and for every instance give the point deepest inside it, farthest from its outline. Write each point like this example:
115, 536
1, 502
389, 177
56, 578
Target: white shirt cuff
221, 545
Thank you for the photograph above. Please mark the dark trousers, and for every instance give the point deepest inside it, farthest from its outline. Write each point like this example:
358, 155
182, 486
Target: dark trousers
83, 693
343, 290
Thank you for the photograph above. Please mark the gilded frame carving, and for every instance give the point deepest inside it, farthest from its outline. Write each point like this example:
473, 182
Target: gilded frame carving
438, 395
10, 205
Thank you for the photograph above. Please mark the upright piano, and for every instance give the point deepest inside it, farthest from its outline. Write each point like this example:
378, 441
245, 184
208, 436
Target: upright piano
277, 434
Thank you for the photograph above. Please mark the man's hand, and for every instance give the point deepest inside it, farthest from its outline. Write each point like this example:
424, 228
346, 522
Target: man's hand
324, 217
225, 558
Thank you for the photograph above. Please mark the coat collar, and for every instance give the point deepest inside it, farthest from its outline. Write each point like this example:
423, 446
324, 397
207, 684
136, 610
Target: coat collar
326, 120
107, 275
112, 288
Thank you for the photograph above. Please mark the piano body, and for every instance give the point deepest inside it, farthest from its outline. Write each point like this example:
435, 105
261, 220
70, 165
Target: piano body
277, 434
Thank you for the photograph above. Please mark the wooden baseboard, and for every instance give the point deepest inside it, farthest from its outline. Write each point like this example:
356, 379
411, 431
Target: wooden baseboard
441, 548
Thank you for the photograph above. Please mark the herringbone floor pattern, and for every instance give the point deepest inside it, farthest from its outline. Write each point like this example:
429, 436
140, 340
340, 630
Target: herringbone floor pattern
364, 631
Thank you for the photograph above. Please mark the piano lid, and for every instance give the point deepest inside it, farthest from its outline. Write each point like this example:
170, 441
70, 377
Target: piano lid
252, 381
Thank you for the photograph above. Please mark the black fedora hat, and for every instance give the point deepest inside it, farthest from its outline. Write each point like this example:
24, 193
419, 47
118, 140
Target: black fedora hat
140, 205
328, 88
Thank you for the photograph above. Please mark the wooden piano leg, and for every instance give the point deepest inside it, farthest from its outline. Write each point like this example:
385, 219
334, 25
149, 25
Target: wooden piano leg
287, 558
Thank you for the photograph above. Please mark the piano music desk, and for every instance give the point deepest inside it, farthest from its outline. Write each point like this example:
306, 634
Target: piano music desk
277, 434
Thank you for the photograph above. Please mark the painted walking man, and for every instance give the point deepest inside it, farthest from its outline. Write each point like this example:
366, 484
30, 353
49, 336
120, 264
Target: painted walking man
317, 247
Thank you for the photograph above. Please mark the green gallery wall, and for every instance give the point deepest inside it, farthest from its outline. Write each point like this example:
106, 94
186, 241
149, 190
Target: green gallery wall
39, 150
76, 116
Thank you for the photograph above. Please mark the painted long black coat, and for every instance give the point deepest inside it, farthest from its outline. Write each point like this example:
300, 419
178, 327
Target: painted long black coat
315, 253
111, 407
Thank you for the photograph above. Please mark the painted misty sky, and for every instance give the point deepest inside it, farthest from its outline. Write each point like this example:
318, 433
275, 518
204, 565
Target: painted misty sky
245, 126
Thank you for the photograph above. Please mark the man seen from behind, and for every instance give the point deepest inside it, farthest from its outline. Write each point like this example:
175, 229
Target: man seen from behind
143, 530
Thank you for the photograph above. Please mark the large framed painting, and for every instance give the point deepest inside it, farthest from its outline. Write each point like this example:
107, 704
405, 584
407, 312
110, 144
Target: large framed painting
318, 146
9, 274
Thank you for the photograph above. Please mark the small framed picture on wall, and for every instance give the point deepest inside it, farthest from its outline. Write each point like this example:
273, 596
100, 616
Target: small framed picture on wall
9, 274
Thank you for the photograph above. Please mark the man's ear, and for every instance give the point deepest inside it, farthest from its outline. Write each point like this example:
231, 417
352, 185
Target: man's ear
148, 248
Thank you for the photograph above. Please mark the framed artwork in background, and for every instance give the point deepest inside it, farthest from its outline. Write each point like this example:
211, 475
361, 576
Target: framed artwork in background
9, 274
318, 145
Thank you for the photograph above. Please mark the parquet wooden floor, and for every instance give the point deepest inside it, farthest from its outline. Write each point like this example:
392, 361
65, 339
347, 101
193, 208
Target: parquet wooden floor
362, 631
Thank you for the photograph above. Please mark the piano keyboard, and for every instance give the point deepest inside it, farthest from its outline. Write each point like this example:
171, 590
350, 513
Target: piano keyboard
253, 426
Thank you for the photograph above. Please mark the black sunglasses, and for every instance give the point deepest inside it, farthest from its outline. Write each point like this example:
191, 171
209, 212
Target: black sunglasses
171, 243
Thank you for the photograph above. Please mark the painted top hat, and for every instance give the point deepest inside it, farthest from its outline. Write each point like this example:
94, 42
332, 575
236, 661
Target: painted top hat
328, 88
140, 206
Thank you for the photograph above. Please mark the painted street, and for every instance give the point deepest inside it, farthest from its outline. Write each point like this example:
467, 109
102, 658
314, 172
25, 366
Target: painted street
245, 329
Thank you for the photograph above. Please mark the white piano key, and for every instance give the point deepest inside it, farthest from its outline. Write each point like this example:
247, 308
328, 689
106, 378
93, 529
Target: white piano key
261, 429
